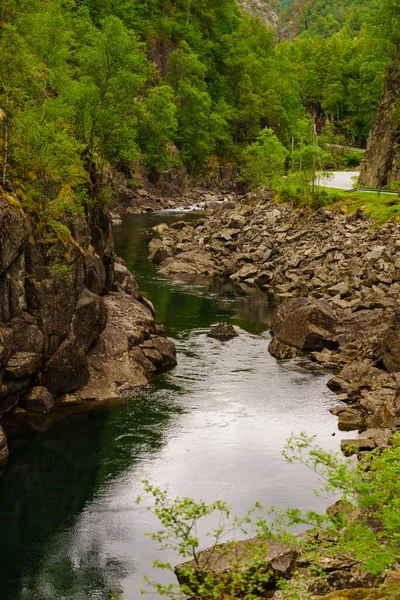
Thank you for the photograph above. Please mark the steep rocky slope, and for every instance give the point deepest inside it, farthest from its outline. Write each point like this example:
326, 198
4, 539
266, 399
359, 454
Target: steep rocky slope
74, 327
382, 159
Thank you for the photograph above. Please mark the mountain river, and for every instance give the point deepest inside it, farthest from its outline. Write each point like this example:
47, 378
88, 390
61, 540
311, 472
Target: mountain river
213, 428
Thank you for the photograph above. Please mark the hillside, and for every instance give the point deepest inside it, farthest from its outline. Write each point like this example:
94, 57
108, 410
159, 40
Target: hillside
318, 17
189, 87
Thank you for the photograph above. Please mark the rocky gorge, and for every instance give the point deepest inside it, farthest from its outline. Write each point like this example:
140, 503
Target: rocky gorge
337, 277
75, 329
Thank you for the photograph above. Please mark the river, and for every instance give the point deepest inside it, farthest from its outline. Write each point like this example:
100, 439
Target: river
214, 427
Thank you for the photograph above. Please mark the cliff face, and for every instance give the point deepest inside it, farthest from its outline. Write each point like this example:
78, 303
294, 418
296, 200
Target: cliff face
381, 165
266, 10
74, 327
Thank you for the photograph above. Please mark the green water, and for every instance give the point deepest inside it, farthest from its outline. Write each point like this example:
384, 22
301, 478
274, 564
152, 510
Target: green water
212, 428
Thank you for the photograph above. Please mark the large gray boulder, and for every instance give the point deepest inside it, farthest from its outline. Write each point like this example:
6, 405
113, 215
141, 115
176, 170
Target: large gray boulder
305, 324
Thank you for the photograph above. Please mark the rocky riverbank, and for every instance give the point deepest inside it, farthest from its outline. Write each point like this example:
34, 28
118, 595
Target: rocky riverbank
74, 327
338, 278
147, 198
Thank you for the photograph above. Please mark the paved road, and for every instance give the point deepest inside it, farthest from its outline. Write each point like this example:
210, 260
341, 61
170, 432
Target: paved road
341, 180
351, 148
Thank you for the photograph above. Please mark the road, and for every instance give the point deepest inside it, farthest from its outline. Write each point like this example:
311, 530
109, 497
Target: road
350, 148
341, 180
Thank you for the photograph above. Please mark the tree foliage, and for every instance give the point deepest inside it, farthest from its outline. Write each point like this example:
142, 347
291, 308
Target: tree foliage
84, 82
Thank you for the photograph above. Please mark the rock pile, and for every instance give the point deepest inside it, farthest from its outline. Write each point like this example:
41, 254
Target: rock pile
338, 277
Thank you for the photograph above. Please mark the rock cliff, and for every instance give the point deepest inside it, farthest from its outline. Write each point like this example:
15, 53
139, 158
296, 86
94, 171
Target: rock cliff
266, 10
74, 327
381, 165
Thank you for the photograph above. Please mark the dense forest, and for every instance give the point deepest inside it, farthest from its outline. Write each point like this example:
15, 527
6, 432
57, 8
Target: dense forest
88, 83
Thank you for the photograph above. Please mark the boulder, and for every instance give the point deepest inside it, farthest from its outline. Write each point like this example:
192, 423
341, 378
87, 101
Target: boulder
161, 228
116, 363
390, 349
364, 327
245, 272
178, 225
189, 263
138, 356
54, 300
67, 369
358, 375
350, 419
23, 365
367, 440
305, 324
125, 281
27, 335
223, 332
280, 350
167, 350
274, 562
38, 399
160, 255
6, 345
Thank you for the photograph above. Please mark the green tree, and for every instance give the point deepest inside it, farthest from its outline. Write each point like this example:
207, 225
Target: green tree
112, 70
157, 127
264, 159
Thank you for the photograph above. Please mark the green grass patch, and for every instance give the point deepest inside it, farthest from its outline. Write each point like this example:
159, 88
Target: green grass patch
379, 208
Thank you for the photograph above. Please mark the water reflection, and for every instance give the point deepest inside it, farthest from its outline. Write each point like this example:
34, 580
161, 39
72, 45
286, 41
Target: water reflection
49, 481
187, 302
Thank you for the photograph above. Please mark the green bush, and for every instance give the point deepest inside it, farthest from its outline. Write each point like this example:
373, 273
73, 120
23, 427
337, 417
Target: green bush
263, 160
353, 159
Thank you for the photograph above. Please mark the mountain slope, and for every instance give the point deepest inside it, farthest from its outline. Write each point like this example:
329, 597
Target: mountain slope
266, 10
322, 17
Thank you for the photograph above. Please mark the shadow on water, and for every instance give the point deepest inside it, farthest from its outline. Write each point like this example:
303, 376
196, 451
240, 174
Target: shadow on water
50, 479
213, 428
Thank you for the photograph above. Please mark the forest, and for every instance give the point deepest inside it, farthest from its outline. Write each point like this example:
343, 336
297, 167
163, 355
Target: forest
85, 84
98, 92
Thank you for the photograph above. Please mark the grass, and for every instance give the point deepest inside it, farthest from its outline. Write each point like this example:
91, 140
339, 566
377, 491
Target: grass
378, 208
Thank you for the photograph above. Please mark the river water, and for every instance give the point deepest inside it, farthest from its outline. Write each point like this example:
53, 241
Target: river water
213, 428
